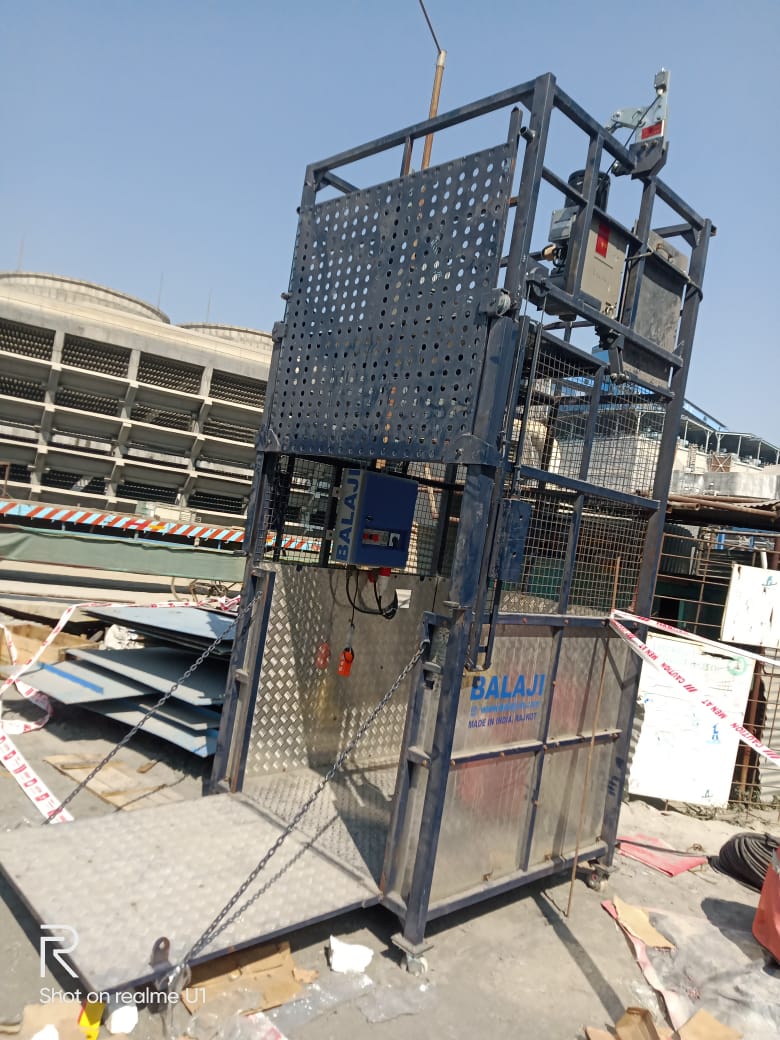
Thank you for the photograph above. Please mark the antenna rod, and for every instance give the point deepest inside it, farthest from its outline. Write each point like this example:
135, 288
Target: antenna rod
434, 109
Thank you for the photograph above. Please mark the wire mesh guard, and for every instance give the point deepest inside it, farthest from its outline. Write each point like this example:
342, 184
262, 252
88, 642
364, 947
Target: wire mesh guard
384, 342
573, 423
296, 523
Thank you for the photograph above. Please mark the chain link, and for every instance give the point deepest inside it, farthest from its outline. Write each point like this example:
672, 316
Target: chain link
222, 921
148, 713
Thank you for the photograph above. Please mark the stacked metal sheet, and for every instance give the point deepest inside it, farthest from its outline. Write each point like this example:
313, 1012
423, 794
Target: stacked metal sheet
124, 684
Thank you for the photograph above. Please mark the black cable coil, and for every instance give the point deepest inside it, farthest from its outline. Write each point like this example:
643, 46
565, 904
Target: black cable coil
746, 857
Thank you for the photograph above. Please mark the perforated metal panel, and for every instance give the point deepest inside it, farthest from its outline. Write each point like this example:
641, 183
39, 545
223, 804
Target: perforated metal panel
384, 342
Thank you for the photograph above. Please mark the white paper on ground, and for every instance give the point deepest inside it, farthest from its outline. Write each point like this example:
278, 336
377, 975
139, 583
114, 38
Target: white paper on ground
349, 957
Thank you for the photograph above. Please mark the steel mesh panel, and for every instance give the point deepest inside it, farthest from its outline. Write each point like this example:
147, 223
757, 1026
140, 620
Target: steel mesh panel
33, 342
384, 341
545, 552
609, 555
82, 401
627, 439
239, 389
550, 428
174, 375
25, 389
299, 508
154, 416
423, 538
97, 357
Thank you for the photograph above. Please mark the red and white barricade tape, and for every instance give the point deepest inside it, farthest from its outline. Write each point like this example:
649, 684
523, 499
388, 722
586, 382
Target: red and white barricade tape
10, 756
42, 701
707, 704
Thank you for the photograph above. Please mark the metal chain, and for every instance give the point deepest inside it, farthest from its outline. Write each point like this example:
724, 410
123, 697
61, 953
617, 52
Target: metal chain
148, 714
219, 924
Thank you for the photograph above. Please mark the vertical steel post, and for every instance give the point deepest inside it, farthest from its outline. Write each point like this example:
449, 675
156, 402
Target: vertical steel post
530, 182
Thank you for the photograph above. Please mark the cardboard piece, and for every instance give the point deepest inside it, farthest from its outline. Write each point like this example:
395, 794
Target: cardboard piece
703, 1026
63, 1015
116, 783
635, 920
637, 1024
268, 970
27, 636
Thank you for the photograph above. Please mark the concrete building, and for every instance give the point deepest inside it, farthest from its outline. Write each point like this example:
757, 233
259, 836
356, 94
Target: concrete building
104, 403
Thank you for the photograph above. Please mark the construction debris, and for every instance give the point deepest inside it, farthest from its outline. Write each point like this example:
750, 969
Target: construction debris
121, 1018
639, 1024
348, 958
268, 971
666, 859
123, 684
117, 783
27, 638
635, 921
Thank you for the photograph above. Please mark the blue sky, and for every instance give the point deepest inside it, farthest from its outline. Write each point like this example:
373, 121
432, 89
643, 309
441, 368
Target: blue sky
159, 146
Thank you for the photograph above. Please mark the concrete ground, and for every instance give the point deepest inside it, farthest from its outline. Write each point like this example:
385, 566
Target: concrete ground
514, 966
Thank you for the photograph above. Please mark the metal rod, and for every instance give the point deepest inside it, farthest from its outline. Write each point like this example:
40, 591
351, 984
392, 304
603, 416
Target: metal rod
592, 745
520, 94
430, 25
434, 109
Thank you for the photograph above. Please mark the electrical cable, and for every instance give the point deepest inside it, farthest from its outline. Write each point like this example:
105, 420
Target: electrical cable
746, 857
430, 26
385, 612
627, 141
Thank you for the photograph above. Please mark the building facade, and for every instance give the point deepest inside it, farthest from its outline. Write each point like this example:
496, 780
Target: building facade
105, 404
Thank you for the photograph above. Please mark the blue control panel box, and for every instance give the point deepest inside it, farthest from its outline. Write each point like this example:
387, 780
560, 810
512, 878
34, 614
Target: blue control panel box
374, 519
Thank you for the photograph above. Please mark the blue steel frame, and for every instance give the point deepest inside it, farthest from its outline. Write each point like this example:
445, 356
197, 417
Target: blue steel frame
456, 639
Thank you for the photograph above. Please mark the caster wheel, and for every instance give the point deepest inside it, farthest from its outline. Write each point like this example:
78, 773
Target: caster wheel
416, 965
596, 882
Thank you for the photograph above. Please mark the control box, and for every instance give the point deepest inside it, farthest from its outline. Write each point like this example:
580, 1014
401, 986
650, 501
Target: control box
605, 257
374, 519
